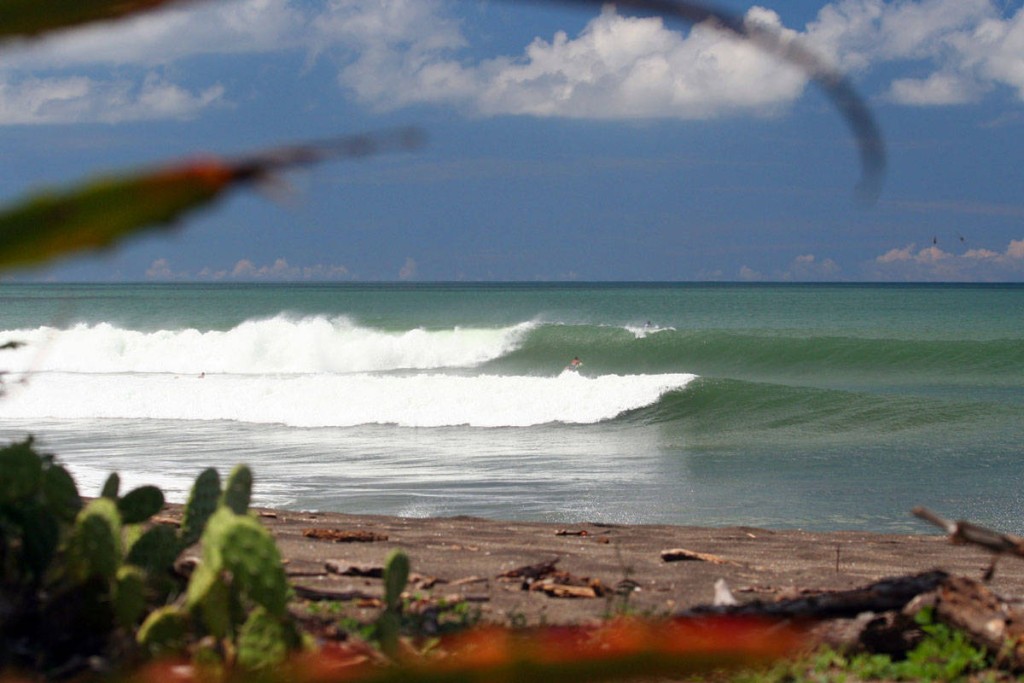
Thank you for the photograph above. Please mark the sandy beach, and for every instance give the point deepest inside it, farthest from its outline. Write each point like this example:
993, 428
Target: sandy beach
466, 558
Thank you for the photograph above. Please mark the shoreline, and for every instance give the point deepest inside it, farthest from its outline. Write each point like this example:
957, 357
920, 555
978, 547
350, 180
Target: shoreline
464, 558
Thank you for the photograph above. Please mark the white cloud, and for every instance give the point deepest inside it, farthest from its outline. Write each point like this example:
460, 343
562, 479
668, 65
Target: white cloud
408, 270
396, 53
939, 88
810, 268
617, 67
76, 98
968, 44
244, 269
933, 264
749, 274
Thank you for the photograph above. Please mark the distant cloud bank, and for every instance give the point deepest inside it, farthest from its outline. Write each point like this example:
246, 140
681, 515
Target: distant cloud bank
933, 264
245, 270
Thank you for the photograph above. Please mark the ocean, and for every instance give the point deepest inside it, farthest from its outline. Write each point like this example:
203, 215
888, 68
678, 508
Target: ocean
809, 406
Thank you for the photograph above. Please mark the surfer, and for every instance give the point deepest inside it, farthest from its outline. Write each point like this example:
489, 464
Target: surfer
575, 363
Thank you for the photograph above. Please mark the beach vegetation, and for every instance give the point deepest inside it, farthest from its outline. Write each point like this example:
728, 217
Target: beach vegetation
95, 581
943, 654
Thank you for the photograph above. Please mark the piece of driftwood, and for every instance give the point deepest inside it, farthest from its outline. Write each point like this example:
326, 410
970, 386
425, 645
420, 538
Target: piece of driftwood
342, 568
683, 555
469, 580
572, 532
989, 621
340, 595
166, 521
962, 531
343, 536
530, 572
882, 596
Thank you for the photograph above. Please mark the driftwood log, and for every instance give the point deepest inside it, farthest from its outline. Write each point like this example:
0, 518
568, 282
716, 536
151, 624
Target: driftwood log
960, 531
882, 596
990, 621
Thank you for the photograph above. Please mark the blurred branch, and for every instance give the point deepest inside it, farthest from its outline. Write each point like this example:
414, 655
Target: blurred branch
34, 17
99, 213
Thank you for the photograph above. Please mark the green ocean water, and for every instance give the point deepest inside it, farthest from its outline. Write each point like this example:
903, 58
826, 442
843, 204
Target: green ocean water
814, 406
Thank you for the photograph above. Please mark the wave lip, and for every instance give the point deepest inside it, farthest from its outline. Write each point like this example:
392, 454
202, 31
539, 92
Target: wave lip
416, 400
278, 345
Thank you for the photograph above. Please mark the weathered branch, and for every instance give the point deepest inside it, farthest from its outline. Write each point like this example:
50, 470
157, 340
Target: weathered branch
966, 532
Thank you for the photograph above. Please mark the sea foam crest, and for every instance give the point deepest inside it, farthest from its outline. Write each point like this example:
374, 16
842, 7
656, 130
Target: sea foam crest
273, 346
332, 400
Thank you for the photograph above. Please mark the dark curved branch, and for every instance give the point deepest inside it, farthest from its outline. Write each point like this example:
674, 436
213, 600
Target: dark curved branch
835, 84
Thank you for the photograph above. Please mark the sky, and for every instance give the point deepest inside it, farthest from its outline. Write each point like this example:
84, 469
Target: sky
563, 141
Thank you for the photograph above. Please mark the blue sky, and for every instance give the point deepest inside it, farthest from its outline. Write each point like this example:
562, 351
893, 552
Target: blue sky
563, 143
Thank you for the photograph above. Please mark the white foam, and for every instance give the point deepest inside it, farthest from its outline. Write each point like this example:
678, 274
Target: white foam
647, 329
275, 345
333, 400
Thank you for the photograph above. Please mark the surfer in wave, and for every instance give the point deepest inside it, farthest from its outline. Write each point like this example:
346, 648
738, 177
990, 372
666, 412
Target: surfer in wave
574, 364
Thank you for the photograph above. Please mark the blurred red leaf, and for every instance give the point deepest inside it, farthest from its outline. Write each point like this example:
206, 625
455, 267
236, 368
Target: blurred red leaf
97, 214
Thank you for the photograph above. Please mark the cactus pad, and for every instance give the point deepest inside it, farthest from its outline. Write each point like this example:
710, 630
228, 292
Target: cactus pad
129, 596
396, 575
96, 540
202, 501
250, 554
238, 490
111, 487
22, 471
163, 632
61, 493
264, 640
156, 550
140, 504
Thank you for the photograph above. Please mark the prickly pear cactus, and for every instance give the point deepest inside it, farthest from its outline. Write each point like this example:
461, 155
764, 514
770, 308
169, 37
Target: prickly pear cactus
155, 550
140, 504
37, 499
202, 502
111, 487
164, 631
396, 575
249, 553
95, 542
264, 640
22, 472
389, 624
238, 490
60, 493
129, 596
